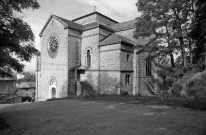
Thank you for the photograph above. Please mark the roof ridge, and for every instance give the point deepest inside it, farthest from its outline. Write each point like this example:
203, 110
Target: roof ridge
95, 12
124, 25
118, 39
67, 23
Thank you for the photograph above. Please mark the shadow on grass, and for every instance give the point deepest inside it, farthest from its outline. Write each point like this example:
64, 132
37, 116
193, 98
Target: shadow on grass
196, 104
3, 124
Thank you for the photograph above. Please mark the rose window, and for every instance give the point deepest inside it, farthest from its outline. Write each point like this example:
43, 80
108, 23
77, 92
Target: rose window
53, 47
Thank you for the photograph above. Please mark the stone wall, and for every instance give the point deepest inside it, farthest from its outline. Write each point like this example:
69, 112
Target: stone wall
90, 40
59, 66
142, 84
126, 58
109, 82
74, 59
126, 87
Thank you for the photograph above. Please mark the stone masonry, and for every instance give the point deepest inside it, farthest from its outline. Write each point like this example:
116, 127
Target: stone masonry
94, 49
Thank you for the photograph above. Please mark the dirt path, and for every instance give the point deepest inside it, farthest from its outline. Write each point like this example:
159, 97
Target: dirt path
79, 117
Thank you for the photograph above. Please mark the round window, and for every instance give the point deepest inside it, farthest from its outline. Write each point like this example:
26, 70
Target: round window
53, 46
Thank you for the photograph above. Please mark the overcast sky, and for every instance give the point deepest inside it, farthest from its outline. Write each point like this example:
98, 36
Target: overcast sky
119, 10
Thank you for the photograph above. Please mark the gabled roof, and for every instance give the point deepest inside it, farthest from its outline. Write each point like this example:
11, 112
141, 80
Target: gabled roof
5, 74
65, 22
115, 39
92, 14
97, 24
124, 25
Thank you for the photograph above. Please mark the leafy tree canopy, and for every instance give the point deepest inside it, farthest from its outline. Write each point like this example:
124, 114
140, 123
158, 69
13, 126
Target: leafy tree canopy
199, 31
16, 36
28, 77
170, 21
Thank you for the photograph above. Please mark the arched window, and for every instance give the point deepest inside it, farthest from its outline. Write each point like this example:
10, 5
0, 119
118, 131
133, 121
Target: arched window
148, 66
53, 87
88, 58
127, 57
127, 78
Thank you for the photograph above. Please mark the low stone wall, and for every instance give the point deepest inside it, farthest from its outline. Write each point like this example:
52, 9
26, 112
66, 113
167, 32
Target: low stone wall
16, 99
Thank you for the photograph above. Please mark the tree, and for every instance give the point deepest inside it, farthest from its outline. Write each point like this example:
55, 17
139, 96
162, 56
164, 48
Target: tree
199, 31
28, 77
16, 36
170, 23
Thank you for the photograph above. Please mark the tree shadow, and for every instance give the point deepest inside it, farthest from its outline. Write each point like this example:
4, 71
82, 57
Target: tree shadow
3, 124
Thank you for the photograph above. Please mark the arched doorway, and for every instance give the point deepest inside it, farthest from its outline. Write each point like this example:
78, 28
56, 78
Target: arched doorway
53, 88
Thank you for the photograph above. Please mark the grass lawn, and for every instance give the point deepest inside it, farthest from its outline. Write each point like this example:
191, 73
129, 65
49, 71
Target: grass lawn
87, 117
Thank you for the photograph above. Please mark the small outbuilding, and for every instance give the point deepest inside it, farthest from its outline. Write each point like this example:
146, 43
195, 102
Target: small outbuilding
26, 89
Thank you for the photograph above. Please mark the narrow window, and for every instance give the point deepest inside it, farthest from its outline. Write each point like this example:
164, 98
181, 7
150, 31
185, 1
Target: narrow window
148, 66
127, 76
127, 57
88, 59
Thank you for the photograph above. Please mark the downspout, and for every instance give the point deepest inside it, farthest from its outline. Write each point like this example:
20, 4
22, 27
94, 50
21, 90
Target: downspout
37, 78
99, 66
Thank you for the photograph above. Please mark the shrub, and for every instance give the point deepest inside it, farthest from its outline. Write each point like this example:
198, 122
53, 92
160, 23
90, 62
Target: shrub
176, 88
87, 88
27, 98
124, 93
196, 87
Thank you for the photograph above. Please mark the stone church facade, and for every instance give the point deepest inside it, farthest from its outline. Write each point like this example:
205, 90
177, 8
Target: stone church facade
94, 49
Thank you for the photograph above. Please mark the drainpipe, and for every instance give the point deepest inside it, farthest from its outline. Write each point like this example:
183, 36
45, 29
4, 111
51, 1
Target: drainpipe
99, 65
99, 72
36, 78
135, 72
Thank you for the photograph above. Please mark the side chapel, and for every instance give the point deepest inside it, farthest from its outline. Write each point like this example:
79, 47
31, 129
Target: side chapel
94, 49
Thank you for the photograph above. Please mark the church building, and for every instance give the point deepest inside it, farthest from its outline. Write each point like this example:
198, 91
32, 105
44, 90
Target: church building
91, 52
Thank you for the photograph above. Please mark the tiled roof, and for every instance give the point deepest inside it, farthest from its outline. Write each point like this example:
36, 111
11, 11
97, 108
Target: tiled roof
124, 25
96, 24
115, 38
4, 73
92, 14
65, 22
68, 23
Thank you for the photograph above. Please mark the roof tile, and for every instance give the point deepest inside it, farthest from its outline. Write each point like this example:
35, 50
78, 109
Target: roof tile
124, 25
115, 38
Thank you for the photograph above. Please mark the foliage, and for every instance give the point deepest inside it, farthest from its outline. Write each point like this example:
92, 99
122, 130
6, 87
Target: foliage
196, 86
87, 88
28, 77
16, 36
123, 93
199, 31
177, 88
26, 99
170, 23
